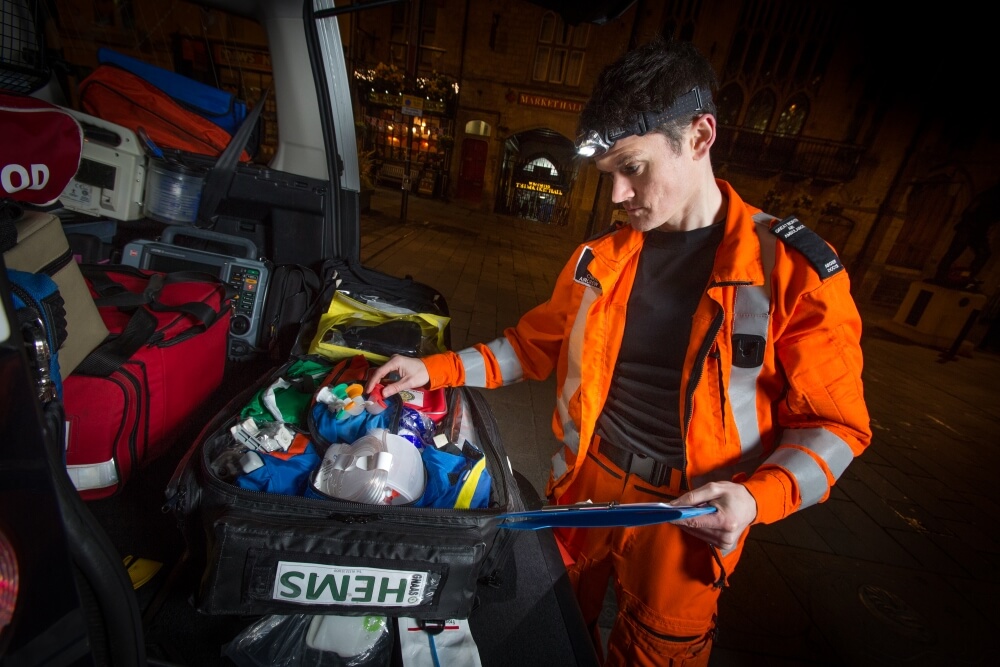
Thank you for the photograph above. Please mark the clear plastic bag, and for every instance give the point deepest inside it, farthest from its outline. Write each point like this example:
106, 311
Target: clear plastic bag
307, 640
460, 427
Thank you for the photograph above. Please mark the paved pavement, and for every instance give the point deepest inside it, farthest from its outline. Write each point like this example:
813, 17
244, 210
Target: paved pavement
899, 567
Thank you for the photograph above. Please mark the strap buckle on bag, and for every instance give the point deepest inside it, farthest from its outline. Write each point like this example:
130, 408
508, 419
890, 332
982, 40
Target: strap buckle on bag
644, 467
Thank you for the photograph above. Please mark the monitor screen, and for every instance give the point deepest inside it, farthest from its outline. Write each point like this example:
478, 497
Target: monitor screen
169, 263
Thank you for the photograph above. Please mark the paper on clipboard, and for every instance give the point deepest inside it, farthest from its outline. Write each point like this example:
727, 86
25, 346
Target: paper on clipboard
600, 515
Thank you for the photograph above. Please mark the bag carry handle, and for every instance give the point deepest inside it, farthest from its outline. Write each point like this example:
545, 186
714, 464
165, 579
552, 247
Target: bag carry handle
220, 176
113, 353
141, 327
115, 294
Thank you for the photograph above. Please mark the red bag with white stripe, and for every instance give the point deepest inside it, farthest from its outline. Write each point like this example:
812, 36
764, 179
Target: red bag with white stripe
127, 402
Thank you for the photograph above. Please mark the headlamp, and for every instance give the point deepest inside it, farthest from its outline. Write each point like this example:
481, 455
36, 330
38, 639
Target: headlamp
593, 143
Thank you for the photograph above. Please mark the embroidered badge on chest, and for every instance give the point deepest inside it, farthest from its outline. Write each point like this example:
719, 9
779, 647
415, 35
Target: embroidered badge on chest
583, 275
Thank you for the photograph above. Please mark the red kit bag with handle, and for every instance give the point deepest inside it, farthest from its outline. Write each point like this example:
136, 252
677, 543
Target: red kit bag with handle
129, 399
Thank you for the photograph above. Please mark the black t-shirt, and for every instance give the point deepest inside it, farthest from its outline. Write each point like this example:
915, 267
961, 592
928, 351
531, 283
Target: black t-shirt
641, 412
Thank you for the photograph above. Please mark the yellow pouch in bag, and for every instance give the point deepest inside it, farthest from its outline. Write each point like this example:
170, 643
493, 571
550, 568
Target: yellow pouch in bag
342, 331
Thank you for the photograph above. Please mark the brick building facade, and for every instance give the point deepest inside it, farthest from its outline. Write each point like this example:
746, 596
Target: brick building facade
866, 128
824, 114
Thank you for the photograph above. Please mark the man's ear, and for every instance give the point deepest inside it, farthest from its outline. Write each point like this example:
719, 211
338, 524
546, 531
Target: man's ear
702, 135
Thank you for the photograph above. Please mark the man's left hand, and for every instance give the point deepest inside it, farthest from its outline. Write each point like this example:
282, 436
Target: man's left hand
735, 510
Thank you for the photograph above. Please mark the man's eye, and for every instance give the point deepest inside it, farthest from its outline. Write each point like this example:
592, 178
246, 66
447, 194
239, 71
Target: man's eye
630, 169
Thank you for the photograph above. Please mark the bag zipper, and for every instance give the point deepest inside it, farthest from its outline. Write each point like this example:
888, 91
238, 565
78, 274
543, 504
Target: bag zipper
57, 264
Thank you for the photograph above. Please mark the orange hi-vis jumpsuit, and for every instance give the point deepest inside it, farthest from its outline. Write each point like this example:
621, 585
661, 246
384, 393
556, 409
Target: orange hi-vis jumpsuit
771, 396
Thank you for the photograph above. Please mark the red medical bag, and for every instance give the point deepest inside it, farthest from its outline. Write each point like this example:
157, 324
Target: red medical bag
130, 398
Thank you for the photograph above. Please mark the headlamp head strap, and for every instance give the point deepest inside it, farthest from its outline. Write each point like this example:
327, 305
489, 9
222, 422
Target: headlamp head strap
593, 143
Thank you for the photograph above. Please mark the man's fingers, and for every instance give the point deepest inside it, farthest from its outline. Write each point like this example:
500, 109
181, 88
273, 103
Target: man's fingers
390, 390
376, 377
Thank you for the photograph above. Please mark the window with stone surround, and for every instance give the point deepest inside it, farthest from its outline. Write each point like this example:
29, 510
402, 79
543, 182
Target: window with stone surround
560, 51
780, 50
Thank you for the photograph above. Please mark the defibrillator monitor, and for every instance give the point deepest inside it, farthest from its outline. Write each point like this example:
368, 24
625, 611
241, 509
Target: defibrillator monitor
248, 277
111, 178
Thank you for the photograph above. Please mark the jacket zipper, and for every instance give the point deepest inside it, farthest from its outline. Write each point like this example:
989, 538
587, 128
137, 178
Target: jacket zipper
717, 356
698, 369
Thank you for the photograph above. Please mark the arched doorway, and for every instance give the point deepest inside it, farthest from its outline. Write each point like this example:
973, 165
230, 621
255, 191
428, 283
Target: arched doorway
539, 168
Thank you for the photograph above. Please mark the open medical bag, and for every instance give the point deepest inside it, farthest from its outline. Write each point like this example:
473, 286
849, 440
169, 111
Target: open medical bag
279, 553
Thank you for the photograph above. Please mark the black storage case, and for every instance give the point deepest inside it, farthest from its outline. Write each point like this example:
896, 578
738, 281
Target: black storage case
242, 537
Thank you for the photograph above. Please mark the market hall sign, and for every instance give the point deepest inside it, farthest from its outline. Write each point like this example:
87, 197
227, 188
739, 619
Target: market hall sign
540, 187
553, 103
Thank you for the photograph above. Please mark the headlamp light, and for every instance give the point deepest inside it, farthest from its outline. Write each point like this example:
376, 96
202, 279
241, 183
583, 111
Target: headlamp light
593, 143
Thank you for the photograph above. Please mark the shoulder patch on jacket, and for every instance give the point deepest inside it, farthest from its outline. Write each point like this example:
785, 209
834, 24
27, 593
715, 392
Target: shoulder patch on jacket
809, 243
583, 275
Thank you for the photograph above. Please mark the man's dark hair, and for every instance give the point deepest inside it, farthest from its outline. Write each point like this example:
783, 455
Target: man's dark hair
649, 78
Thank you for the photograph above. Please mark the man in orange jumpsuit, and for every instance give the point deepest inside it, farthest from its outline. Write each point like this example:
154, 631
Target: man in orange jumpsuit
705, 353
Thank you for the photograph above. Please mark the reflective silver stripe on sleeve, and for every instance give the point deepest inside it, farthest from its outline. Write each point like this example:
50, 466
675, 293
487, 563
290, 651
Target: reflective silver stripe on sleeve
475, 367
751, 317
809, 475
511, 370
832, 449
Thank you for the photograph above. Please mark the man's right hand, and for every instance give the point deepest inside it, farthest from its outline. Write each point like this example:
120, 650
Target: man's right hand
412, 373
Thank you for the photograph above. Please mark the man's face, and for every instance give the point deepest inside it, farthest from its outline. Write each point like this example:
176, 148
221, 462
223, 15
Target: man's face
652, 182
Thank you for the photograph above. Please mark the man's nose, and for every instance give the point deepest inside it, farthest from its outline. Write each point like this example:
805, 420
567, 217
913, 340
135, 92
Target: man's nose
621, 190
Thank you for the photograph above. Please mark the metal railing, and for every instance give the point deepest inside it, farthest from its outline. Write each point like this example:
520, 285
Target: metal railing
773, 153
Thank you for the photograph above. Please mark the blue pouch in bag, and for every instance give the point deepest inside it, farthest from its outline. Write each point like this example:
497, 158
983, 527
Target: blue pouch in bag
333, 430
459, 481
287, 475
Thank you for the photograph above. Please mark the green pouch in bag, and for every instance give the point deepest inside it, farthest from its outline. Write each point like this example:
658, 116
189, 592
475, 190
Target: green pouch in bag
287, 399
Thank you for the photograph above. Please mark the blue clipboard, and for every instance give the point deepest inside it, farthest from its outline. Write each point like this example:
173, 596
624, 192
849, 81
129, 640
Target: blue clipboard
600, 515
